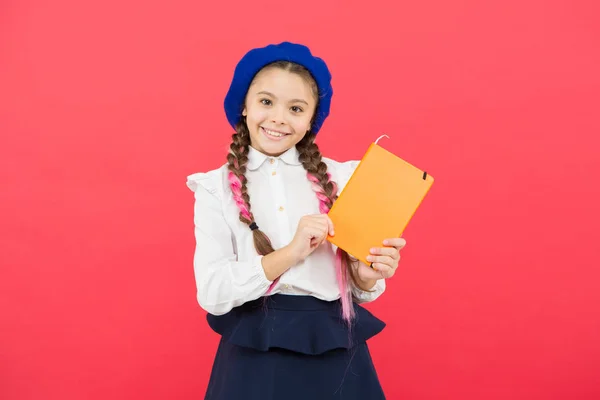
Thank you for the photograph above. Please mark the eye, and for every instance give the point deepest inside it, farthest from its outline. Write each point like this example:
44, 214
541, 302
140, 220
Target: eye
266, 102
297, 109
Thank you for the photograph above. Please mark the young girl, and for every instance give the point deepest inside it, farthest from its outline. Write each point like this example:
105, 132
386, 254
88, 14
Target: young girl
284, 300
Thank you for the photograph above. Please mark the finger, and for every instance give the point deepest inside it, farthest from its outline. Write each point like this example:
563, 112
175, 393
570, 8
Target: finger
323, 219
385, 251
311, 219
318, 224
395, 242
330, 225
387, 260
316, 232
322, 223
316, 242
384, 270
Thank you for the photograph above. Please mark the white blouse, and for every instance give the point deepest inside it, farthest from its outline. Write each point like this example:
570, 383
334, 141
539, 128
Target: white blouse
227, 268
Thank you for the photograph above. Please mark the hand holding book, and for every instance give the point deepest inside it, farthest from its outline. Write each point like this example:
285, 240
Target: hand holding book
384, 260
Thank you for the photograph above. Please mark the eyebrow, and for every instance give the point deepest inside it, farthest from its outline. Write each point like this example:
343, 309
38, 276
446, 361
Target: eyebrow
292, 101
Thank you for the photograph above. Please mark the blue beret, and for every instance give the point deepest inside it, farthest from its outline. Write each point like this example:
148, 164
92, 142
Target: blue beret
256, 59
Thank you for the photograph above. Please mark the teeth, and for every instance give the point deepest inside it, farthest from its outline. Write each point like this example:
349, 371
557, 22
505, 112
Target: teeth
273, 133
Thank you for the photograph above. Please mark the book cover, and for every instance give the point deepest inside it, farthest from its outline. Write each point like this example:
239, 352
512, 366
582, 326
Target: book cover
377, 203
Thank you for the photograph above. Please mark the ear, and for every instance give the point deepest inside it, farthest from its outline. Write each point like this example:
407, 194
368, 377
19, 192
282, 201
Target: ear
244, 112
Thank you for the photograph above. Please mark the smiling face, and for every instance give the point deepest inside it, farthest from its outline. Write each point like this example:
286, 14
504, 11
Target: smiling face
279, 109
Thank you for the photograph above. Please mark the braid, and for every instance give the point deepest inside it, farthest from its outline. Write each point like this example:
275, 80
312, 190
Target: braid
237, 159
326, 191
316, 170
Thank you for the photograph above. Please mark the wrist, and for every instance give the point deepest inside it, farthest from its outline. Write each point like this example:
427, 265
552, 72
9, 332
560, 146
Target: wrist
276, 263
366, 284
292, 255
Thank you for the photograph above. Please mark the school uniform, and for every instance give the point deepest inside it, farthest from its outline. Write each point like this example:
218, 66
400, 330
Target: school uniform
293, 342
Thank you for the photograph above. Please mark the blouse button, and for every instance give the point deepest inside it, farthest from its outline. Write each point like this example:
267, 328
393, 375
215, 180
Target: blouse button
281, 208
272, 161
273, 173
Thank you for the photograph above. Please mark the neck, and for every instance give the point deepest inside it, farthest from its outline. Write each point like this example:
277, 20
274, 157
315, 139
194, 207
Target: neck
269, 154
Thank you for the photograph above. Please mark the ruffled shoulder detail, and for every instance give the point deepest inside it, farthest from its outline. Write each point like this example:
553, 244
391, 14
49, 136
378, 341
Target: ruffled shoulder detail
272, 322
341, 171
211, 181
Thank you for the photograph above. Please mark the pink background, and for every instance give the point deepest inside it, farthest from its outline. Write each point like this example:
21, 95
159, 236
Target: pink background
105, 109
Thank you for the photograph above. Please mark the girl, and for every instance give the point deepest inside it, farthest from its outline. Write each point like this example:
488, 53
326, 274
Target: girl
284, 300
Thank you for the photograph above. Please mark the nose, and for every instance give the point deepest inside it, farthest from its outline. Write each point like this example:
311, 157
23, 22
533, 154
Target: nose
277, 117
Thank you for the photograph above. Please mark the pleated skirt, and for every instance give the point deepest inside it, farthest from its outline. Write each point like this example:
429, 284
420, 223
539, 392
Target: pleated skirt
292, 348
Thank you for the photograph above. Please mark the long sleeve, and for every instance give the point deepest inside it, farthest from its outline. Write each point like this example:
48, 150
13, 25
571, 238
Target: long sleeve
362, 296
223, 282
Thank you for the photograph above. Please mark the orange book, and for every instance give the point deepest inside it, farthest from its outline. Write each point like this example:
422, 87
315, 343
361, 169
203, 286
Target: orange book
377, 203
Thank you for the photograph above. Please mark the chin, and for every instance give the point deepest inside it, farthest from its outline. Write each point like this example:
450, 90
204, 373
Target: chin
274, 149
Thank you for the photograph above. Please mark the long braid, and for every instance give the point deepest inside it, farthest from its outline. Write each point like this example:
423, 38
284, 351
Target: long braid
237, 159
326, 191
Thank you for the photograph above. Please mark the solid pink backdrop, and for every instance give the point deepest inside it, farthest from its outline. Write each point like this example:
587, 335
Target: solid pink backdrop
106, 108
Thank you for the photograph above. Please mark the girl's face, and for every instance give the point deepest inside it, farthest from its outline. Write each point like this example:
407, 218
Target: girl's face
279, 108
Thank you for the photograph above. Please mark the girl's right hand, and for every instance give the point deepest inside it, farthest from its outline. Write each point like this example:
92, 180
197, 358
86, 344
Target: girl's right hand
311, 232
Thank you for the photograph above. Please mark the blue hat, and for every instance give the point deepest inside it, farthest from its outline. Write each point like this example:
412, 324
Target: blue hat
256, 59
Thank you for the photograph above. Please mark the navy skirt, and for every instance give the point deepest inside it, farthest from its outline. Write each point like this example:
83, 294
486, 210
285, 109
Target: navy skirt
293, 347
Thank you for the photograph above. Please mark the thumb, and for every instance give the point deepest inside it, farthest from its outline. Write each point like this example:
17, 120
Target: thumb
330, 224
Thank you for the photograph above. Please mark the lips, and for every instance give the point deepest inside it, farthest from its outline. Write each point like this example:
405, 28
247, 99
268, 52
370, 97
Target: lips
273, 133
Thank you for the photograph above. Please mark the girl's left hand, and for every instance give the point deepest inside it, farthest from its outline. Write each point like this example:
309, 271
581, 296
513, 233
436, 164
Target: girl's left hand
385, 260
